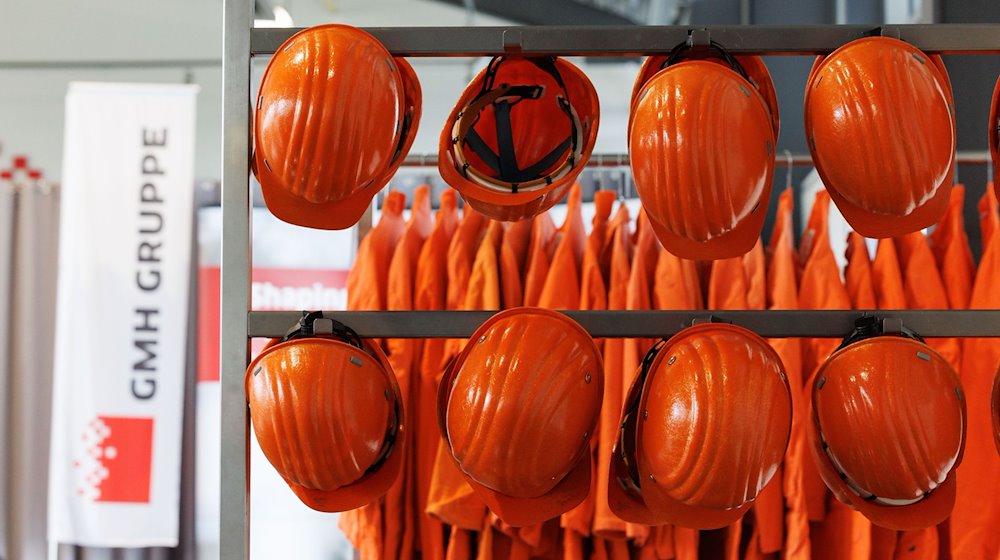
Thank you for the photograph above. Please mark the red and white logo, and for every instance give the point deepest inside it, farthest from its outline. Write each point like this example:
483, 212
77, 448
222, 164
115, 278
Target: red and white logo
118, 461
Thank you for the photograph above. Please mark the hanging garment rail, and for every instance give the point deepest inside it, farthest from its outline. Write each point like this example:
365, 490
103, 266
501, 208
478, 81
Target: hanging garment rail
646, 324
640, 40
622, 160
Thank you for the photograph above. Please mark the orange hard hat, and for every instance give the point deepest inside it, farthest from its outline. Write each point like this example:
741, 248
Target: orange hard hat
887, 428
328, 414
518, 407
995, 408
994, 136
701, 141
336, 115
880, 125
704, 428
519, 136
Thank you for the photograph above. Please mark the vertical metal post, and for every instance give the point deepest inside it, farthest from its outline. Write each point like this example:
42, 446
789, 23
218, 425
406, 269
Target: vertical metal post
234, 510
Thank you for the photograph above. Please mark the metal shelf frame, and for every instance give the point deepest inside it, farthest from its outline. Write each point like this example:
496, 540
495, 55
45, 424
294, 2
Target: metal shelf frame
242, 42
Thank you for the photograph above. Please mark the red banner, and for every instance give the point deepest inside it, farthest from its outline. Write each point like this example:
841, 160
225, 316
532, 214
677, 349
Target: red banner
289, 289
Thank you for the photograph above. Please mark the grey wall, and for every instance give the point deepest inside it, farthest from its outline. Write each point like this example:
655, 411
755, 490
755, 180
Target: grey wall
972, 78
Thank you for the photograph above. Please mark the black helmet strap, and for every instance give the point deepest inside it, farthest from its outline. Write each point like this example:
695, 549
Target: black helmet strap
869, 326
504, 161
684, 50
313, 323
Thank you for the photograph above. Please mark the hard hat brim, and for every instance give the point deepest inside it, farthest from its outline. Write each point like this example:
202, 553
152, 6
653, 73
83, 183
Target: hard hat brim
994, 136
364, 491
624, 499
880, 226
995, 409
928, 512
340, 214
519, 512
735, 242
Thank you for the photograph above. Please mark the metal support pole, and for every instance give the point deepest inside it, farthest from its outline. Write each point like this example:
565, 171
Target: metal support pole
234, 510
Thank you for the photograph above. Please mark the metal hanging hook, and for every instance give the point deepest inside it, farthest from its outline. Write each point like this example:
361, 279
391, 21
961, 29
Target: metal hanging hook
954, 179
788, 170
428, 176
623, 170
629, 186
606, 173
598, 173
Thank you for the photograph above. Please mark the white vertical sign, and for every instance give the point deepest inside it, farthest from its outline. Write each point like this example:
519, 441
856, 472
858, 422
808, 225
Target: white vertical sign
122, 318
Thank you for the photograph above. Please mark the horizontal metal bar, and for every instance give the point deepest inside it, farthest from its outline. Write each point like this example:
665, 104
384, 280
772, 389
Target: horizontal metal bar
639, 40
622, 160
626, 324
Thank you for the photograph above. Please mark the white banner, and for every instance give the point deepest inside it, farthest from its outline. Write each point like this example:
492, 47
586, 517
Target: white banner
122, 319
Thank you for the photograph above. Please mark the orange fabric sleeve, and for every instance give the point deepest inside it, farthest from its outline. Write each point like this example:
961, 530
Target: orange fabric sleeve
728, 289
859, 273
539, 256
430, 291
561, 288
950, 245
606, 524
923, 286
887, 278
976, 516
562, 291
399, 517
638, 297
513, 260
820, 287
449, 497
367, 287
782, 293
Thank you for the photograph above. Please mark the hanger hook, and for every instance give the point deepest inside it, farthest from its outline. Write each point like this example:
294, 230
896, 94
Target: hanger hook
595, 170
954, 179
788, 171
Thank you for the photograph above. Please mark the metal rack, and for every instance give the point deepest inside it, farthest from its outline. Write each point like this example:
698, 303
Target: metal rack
242, 42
